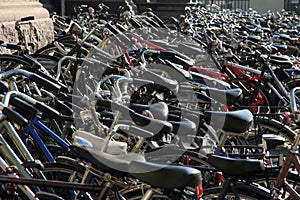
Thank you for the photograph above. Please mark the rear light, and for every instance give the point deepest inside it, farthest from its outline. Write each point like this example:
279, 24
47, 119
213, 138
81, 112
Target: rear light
287, 117
226, 108
187, 160
267, 158
219, 178
199, 191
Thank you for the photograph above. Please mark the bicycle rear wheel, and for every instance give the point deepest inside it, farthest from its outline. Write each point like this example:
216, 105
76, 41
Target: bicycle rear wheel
268, 181
246, 192
69, 172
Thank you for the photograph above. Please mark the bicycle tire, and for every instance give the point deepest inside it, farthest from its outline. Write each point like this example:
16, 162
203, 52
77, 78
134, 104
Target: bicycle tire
137, 192
139, 195
268, 125
291, 178
51, 49
63, 171
258, 97
246, 192
9, 62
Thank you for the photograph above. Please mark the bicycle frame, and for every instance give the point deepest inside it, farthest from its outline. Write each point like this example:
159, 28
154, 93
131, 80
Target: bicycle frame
13, 158
259, 76
292, 158
37, 124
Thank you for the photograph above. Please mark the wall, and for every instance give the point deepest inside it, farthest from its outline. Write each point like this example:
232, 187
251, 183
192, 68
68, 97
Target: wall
38, 31
262, 6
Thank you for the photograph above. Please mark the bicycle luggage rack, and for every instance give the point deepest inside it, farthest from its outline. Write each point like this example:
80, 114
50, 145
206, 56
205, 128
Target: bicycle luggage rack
245, 151
275, 161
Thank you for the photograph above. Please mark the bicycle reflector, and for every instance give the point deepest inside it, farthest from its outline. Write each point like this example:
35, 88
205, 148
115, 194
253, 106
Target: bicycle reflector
287, 117
267, 158
199, 191
219, 178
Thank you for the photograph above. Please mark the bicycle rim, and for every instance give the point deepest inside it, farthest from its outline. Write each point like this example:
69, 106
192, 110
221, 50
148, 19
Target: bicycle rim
271, 181
244, 194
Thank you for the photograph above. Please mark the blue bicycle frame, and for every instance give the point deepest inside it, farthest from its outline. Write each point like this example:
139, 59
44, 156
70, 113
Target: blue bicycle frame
31, 130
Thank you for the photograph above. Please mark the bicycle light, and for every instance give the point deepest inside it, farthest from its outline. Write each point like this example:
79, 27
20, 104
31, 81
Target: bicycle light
199, 191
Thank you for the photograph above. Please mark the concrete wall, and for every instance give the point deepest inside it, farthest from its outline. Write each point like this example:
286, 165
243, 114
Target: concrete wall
262, 6
38, 31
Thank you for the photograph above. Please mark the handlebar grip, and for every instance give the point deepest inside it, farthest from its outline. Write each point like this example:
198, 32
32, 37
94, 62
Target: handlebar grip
136, 131
46, 110
109, 105
63, 107
27, 110
117, 33
45, 76
24, 19
45, 83
135, 23
111, 28
13, 46
14, 116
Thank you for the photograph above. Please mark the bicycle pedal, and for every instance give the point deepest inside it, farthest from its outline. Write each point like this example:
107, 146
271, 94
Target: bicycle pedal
33, 164
47, 196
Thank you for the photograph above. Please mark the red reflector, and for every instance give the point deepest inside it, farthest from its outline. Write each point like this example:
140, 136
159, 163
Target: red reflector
226, 108
287, 117
219, 178
199, 191
267, 158
187, 160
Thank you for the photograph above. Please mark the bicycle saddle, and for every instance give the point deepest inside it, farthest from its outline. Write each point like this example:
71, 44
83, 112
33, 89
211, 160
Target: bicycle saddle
282, 63
115, 164
162, 176
236, 167
234, 121
159, 110
254, 38
114, 147
156, 175
157, 127
228, 97
282, 57
181, 74
280, 47
161, 81
184, 127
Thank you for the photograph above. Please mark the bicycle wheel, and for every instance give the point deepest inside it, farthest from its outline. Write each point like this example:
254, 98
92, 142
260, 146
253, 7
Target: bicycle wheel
265, 125
254, 96
52, 50
262, 126
246, 192
10, 62
47, 61
138, 192
139, 195
67, 171
267, 182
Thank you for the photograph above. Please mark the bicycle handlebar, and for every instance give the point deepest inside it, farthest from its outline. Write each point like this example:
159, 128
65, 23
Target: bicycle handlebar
33, 77
48, 111
14, 116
